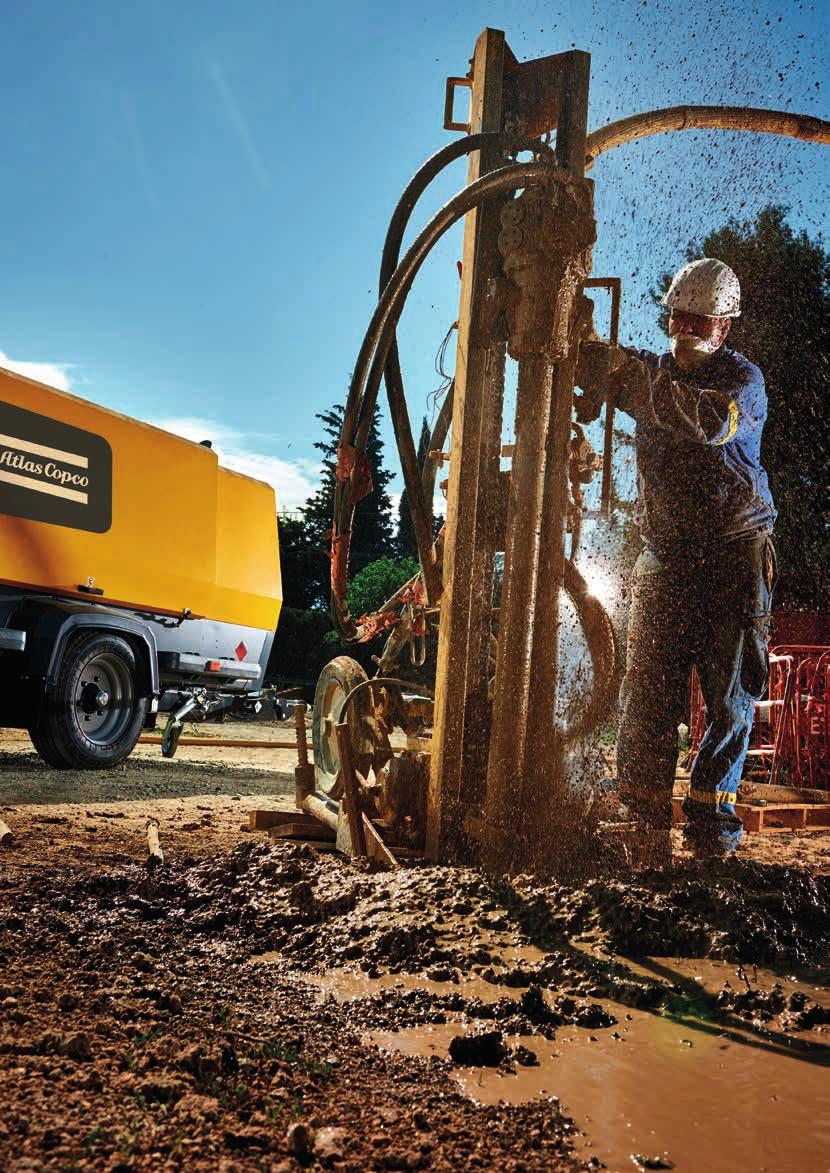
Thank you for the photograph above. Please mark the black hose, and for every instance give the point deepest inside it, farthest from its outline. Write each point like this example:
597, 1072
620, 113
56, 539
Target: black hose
418, 689
381, 331
419, 504
509, 143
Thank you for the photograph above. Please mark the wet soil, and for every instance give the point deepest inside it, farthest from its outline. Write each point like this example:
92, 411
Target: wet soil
259, 1005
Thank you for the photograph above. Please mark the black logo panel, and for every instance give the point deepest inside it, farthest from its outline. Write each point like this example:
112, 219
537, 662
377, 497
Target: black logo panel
50, 471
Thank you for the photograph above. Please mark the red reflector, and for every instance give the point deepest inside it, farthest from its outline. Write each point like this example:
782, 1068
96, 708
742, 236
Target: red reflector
213, 665
241, 651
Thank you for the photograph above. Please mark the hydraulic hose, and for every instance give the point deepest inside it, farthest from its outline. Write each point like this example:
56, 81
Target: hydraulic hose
602, 648
381, 331
403, 210
798, 126
419, 503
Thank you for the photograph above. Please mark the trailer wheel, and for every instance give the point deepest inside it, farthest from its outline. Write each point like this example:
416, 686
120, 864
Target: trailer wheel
337, 680
95, 716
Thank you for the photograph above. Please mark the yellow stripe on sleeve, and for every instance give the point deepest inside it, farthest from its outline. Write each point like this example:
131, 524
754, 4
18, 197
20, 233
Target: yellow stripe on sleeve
734, 416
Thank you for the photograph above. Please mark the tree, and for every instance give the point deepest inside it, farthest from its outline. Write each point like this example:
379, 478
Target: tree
377, 582
407, 545
372, 535
783, 329
302, 565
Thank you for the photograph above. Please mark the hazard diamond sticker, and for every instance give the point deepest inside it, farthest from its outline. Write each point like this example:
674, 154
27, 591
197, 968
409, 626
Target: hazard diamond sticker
241, 651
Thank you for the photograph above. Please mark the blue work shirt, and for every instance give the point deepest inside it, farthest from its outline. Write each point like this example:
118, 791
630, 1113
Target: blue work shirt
698, 442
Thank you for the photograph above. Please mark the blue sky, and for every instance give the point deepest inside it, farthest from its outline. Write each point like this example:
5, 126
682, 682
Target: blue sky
196, 194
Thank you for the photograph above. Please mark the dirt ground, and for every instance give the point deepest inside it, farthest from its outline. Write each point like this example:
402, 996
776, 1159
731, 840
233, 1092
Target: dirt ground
259, 1005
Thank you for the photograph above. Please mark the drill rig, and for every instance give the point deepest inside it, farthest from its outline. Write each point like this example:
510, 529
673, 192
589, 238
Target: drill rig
488, 783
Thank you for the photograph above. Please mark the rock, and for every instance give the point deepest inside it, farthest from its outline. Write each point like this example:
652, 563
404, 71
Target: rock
652, 1162
302, 894
76, 1046
245, 1138
329, 1143
161, 1089
51, 1138
203, 1065
195, 1106
525, 1057
479, 1049
67, 1001
298, 1139
142, 962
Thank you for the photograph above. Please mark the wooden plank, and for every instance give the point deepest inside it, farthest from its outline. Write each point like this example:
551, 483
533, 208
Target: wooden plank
375, 847
155, 855
752, 791
264, 819
303, 831
351, 801
792, 831
752, 818
343, 837
772, 816
228, 742
459, 751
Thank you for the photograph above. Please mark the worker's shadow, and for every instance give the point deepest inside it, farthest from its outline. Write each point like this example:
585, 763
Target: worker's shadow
669, 994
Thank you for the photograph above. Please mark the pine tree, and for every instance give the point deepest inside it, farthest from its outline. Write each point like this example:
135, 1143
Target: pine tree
407, 545
372, 535
783, 329
373, 531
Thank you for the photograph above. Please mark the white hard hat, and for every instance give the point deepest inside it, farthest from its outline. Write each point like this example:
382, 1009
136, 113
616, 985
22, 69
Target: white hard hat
707, 287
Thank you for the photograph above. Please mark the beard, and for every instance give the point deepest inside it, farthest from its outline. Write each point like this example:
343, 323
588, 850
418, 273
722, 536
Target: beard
690, 350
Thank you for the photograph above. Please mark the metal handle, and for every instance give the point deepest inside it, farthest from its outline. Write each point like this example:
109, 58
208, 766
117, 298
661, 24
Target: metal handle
453, 83
614, 285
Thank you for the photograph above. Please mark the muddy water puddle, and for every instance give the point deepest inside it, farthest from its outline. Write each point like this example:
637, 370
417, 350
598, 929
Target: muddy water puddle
714, 1095
661, 1089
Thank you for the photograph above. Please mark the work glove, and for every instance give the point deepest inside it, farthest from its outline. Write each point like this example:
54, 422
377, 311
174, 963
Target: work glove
598, 362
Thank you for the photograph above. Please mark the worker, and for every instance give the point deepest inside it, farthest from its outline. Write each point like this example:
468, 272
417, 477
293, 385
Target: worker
702, 585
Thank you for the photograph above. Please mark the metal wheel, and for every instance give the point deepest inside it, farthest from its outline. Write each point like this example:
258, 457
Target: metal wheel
94, 714
103, 700
337, 680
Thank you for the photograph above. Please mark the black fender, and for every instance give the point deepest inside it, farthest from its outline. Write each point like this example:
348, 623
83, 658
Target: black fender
51, 622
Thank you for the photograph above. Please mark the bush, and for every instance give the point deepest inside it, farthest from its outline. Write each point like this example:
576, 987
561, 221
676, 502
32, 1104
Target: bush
377, 582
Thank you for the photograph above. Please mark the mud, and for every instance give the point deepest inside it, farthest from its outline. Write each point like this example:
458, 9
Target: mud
135, 1034
258, 1005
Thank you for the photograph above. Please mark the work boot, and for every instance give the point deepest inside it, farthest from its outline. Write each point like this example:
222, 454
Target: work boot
710, 832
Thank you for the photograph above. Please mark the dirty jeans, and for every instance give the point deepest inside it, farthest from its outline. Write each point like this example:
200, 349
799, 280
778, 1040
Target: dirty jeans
711, 612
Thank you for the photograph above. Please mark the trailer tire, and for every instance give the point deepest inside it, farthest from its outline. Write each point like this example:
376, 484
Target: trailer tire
94, 715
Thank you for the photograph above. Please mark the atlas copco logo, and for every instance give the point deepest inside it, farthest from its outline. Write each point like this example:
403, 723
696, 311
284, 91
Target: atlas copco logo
17, 468
54, 472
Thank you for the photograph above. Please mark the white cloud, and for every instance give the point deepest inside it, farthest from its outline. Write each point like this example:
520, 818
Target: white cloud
293, 480
52, 373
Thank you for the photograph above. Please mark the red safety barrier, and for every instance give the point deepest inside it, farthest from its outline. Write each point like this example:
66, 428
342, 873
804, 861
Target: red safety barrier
790, 737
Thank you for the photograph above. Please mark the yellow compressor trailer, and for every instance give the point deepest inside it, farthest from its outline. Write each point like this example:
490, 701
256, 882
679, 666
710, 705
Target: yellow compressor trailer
110, 613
